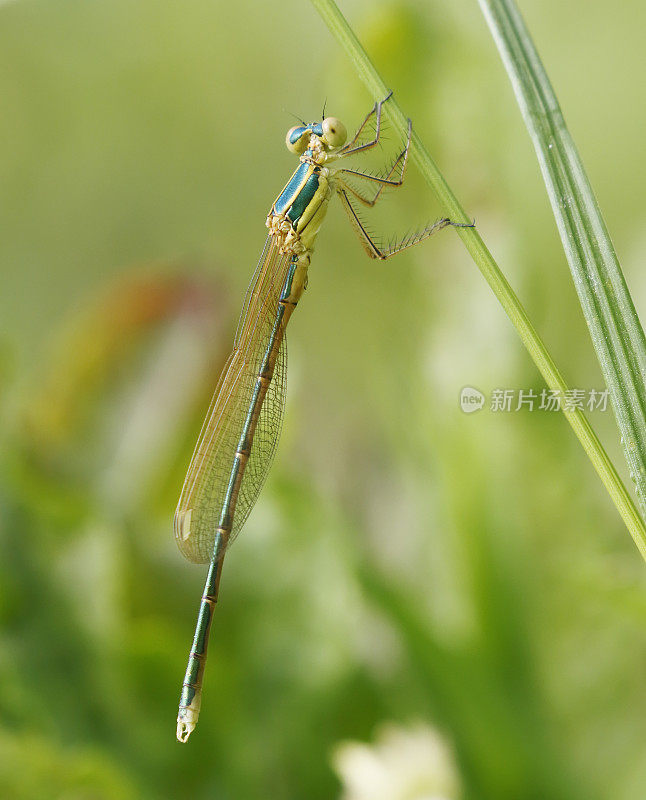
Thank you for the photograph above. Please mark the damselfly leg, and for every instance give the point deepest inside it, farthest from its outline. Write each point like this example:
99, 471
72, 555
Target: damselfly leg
393, 178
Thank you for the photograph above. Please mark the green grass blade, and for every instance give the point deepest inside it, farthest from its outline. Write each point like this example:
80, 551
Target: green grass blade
490, 270
608, 308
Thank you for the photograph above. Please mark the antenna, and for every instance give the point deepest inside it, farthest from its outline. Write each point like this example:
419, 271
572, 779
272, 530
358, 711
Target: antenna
296, 117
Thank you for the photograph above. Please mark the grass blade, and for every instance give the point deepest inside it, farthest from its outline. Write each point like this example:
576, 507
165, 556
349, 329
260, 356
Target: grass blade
608, 308
490, 270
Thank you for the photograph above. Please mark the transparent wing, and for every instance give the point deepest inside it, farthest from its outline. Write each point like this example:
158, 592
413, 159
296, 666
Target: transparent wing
205, 488
265, 441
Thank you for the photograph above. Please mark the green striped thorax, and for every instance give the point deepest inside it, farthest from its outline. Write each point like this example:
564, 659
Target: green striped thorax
298, 211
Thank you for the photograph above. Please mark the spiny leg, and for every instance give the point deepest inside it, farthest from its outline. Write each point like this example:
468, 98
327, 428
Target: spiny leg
349, 148
382, 253
366, 201
343, 188
348, 145
382, 180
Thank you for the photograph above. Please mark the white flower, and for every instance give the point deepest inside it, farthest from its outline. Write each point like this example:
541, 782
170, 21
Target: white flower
411, 763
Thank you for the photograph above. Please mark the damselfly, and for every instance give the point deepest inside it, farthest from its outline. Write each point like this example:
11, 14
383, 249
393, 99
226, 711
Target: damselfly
238, 438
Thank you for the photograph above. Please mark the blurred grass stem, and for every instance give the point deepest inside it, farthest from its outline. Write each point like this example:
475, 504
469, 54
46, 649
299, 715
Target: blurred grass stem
488, 267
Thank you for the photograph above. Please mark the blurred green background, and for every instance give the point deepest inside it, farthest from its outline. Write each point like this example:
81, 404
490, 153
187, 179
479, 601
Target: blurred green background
406, 562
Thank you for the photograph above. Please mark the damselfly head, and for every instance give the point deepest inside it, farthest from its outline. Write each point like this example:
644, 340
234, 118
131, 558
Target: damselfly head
331, 132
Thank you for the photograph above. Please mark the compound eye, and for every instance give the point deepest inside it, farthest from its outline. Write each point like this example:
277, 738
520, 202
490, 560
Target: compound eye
334, 131
297, 139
